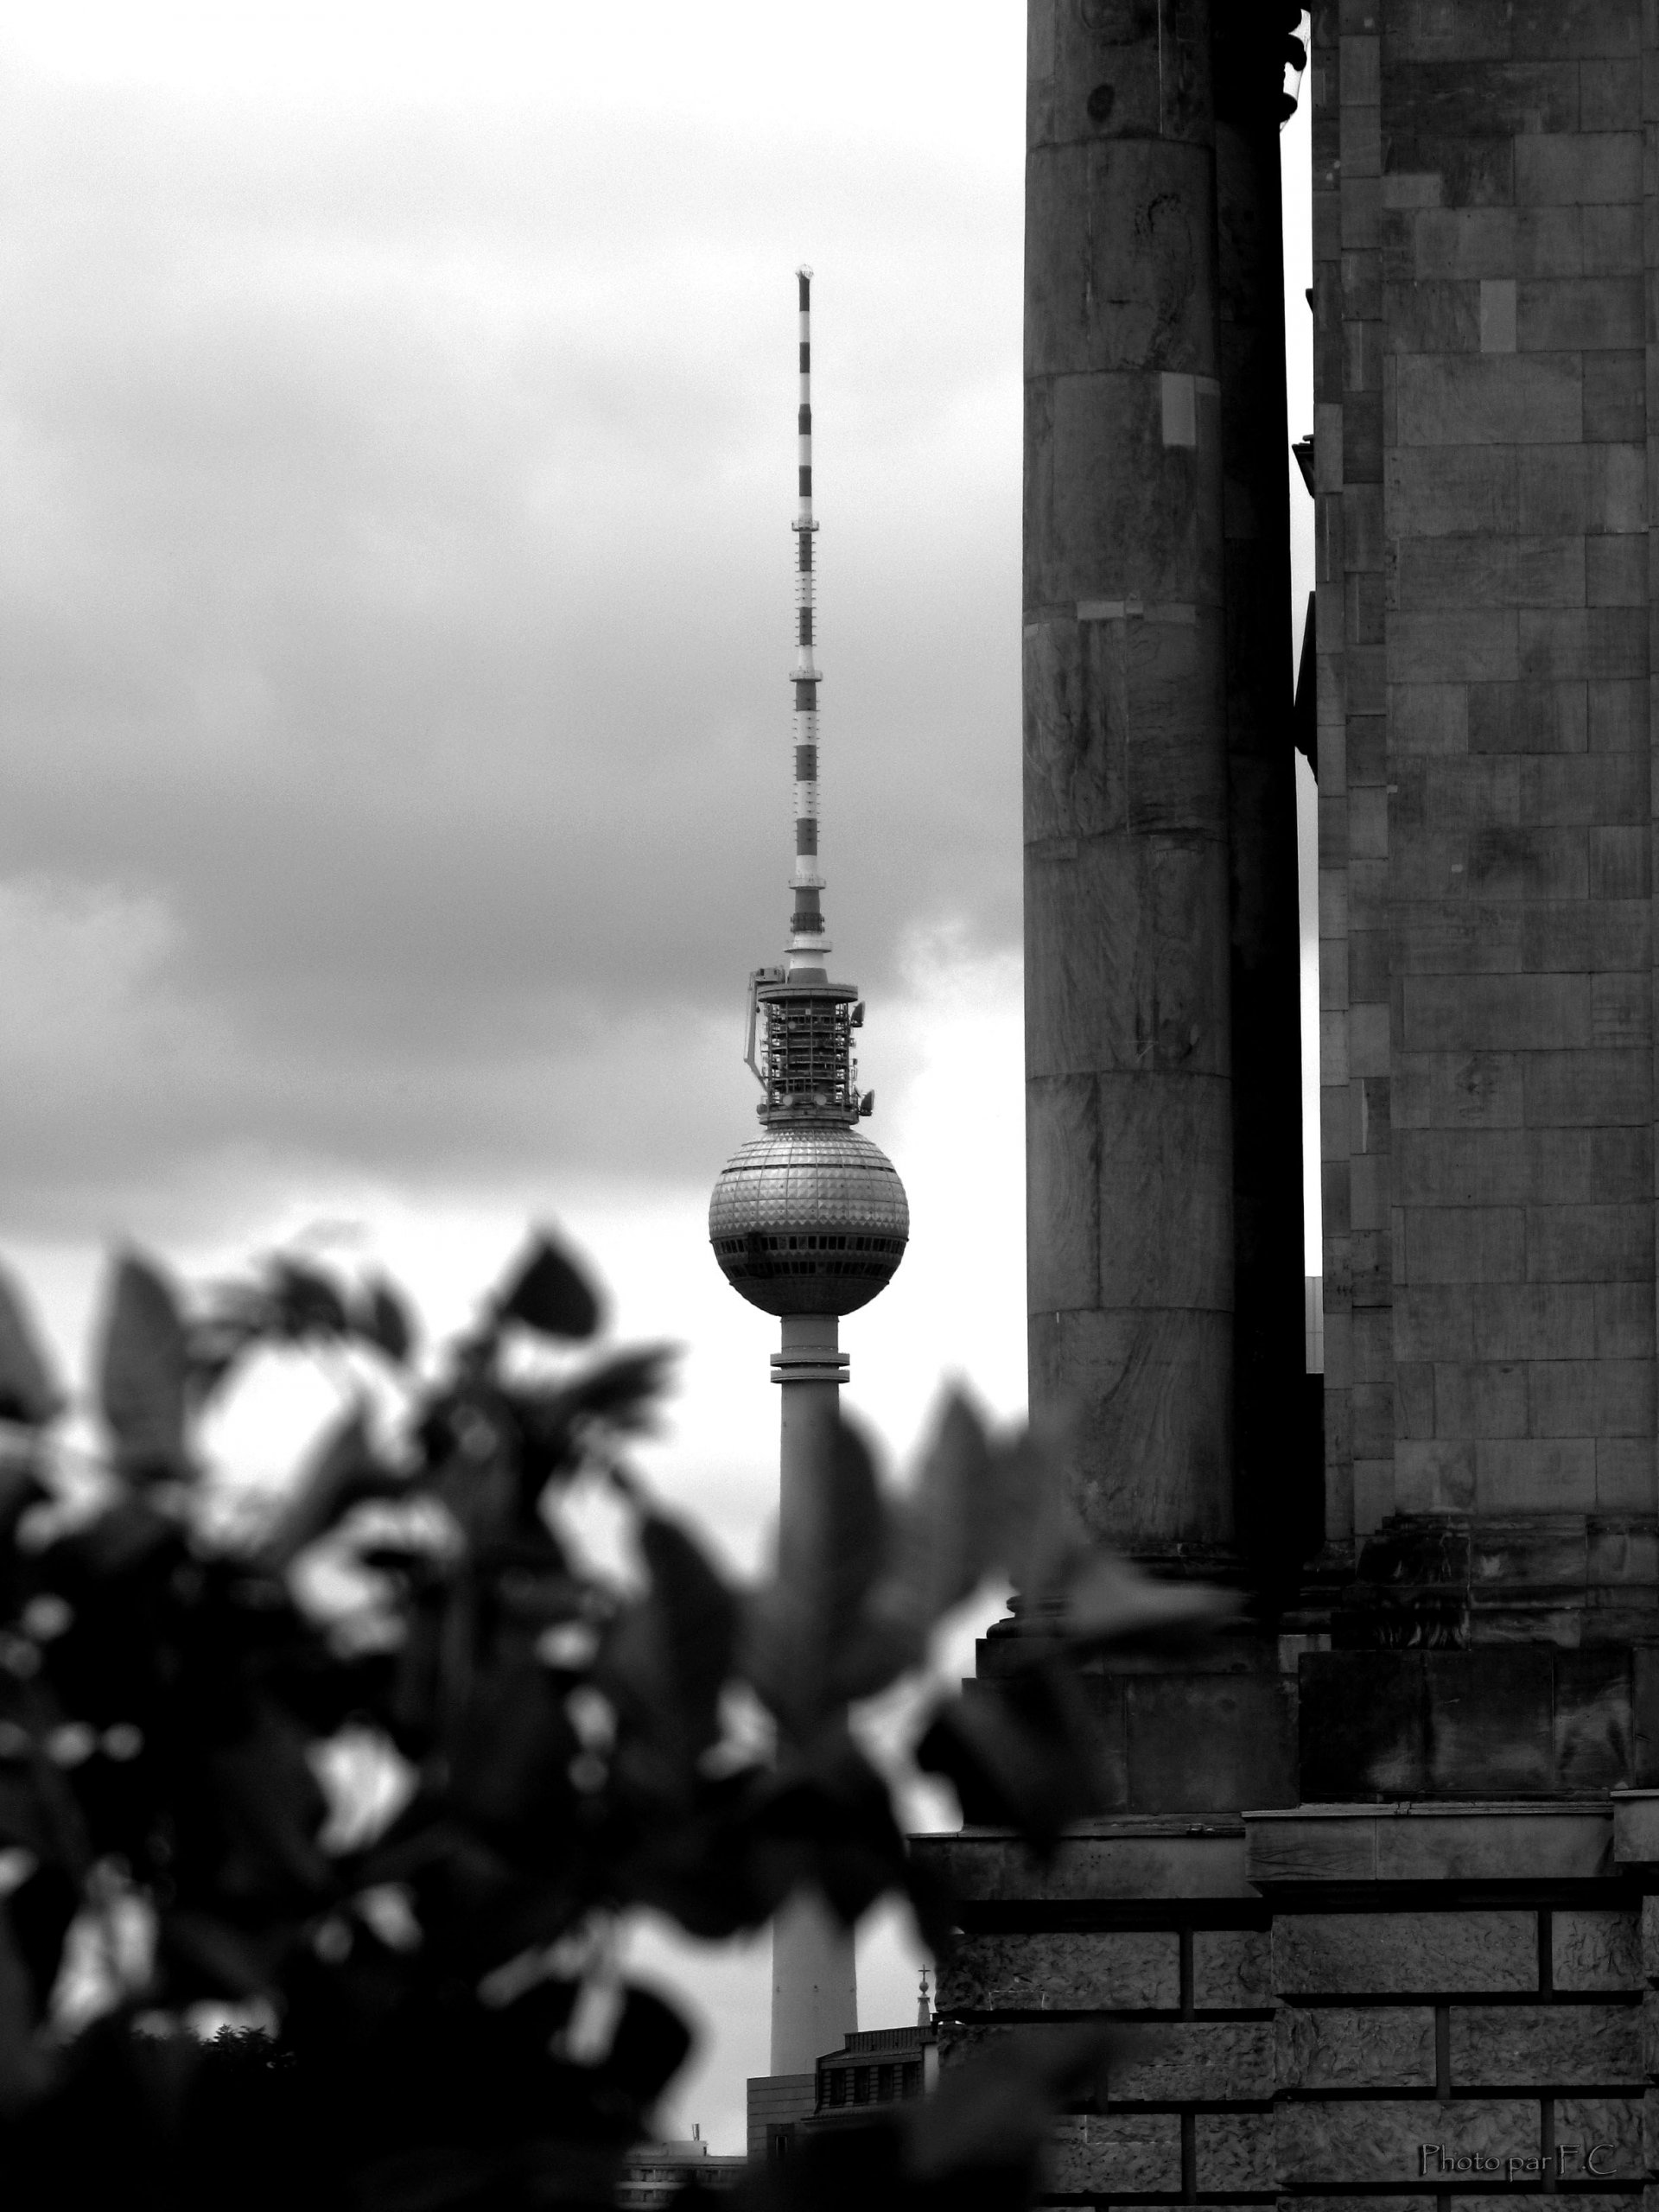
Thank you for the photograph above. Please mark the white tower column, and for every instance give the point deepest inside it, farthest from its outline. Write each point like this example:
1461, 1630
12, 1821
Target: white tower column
814, 1985
814, 1980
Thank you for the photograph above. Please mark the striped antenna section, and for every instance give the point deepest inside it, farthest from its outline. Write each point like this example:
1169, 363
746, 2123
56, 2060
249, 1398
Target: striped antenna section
807, 941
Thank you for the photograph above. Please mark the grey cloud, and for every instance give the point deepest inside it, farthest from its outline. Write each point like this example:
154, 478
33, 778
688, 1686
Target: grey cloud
396, 609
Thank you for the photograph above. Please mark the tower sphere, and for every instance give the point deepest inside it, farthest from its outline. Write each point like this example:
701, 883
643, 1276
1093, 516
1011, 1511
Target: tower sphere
809, 1218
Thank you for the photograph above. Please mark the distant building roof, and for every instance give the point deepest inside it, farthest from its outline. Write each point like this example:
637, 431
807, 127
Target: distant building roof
879, 2066
871, 2068
654, 2173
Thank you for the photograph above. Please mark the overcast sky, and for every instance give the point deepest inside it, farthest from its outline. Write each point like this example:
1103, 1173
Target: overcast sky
395, 604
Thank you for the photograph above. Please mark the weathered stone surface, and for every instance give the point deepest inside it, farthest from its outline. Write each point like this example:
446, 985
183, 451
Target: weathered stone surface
957, 2043
1346, 2204
1124, 978
1131, 1973
1116, 2154
1098, 529
1061, 1208
1650, 1940
1200, 1743
1545, 2044
1178, 2062
1234, 2151
1581, 2123
1230, 2059
1232, 1967
1595, 1950
1456, 399
1096, 298
1151, 1386
1334, 1954
1586, 2203
1383, 2047
1136, 1862
1367, 2141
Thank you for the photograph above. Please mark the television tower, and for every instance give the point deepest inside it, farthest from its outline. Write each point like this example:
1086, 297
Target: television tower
809, 1222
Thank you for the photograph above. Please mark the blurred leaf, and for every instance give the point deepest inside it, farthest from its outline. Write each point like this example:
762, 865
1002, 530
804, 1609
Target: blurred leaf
307, 1303
237, 1316
622, 1390
214, 1955
1024, 1752
382, 1318
1044, 1537
41, 1910
26, 2070
698, 1616
27, 1392
1107, 1599
668, 1656
143, 1365
1069, 1585
274, 1808
947, 1535
831, 1820
856, 2163
801, 1631
510, 1755
990, 2116
130, 1536
551, 1294
704, 1868
344, 1470
566, 1761
20, 1488
651, 2045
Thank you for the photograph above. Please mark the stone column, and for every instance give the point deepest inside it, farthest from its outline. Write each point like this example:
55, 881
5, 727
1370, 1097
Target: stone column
1277, 1488
1129, 1042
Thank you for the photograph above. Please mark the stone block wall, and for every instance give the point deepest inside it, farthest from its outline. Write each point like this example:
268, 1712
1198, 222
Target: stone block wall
1471, 2021
1482, 250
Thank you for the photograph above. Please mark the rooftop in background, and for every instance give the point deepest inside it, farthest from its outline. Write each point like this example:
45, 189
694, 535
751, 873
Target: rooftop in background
881, 2066
656, 2173
873, 2067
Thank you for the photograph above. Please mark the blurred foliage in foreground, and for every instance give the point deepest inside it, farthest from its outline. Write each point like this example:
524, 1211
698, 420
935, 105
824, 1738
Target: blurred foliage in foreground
383, 1765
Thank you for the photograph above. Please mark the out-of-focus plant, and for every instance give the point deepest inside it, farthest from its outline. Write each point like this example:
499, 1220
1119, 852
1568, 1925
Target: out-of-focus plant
381, 1767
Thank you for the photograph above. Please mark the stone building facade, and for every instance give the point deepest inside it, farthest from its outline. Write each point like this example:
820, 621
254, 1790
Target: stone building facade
1484, 240
1379, 1872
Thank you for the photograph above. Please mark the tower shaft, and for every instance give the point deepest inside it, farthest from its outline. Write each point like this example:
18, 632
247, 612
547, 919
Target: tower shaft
814, 1976
814, 1985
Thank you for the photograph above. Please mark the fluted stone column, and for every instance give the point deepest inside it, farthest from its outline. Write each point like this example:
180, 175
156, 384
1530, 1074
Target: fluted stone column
1128, 1045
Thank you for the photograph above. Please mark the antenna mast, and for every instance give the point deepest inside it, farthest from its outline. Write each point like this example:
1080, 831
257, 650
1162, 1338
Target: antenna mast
807, 941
